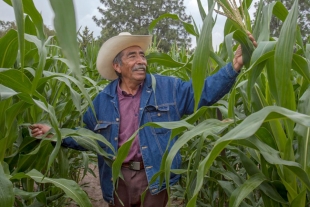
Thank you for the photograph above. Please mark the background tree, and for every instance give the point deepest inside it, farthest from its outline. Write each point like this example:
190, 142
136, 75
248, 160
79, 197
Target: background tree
134, 16
5, 26
303, 18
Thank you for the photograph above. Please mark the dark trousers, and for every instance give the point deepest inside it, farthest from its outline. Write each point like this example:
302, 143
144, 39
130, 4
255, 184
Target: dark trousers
130, 189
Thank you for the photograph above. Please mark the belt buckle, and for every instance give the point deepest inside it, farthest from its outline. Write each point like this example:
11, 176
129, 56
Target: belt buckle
134, 165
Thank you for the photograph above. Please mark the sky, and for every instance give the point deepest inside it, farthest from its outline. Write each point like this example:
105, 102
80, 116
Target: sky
85, 10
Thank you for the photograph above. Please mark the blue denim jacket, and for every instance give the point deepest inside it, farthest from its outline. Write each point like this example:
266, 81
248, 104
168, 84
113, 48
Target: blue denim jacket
174, 97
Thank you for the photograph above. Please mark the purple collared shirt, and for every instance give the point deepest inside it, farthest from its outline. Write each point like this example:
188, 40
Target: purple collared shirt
129, 122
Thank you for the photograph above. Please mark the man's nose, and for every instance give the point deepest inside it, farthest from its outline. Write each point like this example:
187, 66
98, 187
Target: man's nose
141, 60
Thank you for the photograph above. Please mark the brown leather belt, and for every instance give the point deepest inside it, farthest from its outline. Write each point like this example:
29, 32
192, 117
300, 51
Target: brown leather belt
133, 165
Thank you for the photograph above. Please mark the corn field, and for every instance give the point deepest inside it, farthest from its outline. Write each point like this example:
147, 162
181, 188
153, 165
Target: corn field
251, 148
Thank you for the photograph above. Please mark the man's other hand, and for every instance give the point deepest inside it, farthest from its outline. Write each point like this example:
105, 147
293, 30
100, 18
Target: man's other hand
38, 130
238, 61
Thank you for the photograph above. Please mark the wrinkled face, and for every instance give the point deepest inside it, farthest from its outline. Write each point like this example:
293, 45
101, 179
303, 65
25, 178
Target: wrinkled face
133, 67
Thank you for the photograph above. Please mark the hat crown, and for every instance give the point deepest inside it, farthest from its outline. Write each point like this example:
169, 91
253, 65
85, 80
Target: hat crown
124, 33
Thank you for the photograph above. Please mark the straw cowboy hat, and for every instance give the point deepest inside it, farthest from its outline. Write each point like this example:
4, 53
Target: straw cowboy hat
115, 45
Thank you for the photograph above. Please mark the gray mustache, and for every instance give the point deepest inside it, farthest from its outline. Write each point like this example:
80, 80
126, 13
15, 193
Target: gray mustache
138, 67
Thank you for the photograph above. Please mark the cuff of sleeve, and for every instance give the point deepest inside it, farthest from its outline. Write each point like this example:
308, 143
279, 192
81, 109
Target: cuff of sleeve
231, 71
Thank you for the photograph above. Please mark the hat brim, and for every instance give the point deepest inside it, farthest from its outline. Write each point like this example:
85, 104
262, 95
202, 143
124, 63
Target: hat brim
115, 45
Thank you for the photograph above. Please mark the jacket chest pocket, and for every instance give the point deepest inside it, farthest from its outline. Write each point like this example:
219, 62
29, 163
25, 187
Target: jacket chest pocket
105, 130
158, 114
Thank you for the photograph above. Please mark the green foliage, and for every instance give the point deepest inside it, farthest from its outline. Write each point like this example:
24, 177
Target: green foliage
249, 149
135, 16
303, 17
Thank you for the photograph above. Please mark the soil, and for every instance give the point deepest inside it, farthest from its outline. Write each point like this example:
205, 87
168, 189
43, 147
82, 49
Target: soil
91, 186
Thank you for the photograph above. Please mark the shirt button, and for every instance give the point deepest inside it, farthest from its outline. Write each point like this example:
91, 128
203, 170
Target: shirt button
110, 201
117, 119
115, 138
111, 181
141, 109
114, 158
158, 114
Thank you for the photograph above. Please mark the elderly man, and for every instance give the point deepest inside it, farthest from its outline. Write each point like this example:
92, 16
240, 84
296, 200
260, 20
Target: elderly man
129, 102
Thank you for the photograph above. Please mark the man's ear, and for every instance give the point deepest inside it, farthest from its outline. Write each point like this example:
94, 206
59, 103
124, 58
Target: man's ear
117, 67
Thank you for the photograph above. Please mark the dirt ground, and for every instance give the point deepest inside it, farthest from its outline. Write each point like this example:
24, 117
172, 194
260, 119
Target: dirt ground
91, 186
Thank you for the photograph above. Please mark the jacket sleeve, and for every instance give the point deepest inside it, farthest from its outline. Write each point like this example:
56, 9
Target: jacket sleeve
215, 87
218, 85
69, 142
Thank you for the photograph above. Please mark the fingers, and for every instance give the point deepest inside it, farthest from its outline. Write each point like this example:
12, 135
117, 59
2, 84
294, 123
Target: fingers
252, 39
38, 130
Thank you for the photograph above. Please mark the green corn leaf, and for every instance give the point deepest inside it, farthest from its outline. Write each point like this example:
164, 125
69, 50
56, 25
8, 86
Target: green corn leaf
11, 114
88, 138
201, 9
283, 59
303, 133
252, 170
163, 59
200, 67
30, 9
24, 194
77, 83
121, 156
15, 80
76, 97
65, 27
71, 188
257, 26
242, 191
264, 51
273, 8
279, 10
229, 46
246, 129
9, 49
6, 92
246, 45
300, 199
300, 65
6, 190
19, 17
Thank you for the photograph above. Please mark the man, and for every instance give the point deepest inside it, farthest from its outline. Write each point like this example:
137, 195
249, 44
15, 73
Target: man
129, 102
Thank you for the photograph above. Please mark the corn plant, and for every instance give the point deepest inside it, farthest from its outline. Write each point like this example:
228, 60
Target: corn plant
254, 153
41, 80
258, 155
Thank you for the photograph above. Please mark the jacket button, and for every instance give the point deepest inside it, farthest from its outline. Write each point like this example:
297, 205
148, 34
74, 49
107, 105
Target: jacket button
117, 119
111, 179
110, 201
114, 158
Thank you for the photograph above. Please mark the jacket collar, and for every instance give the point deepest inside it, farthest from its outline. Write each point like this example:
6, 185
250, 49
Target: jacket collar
111, 88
